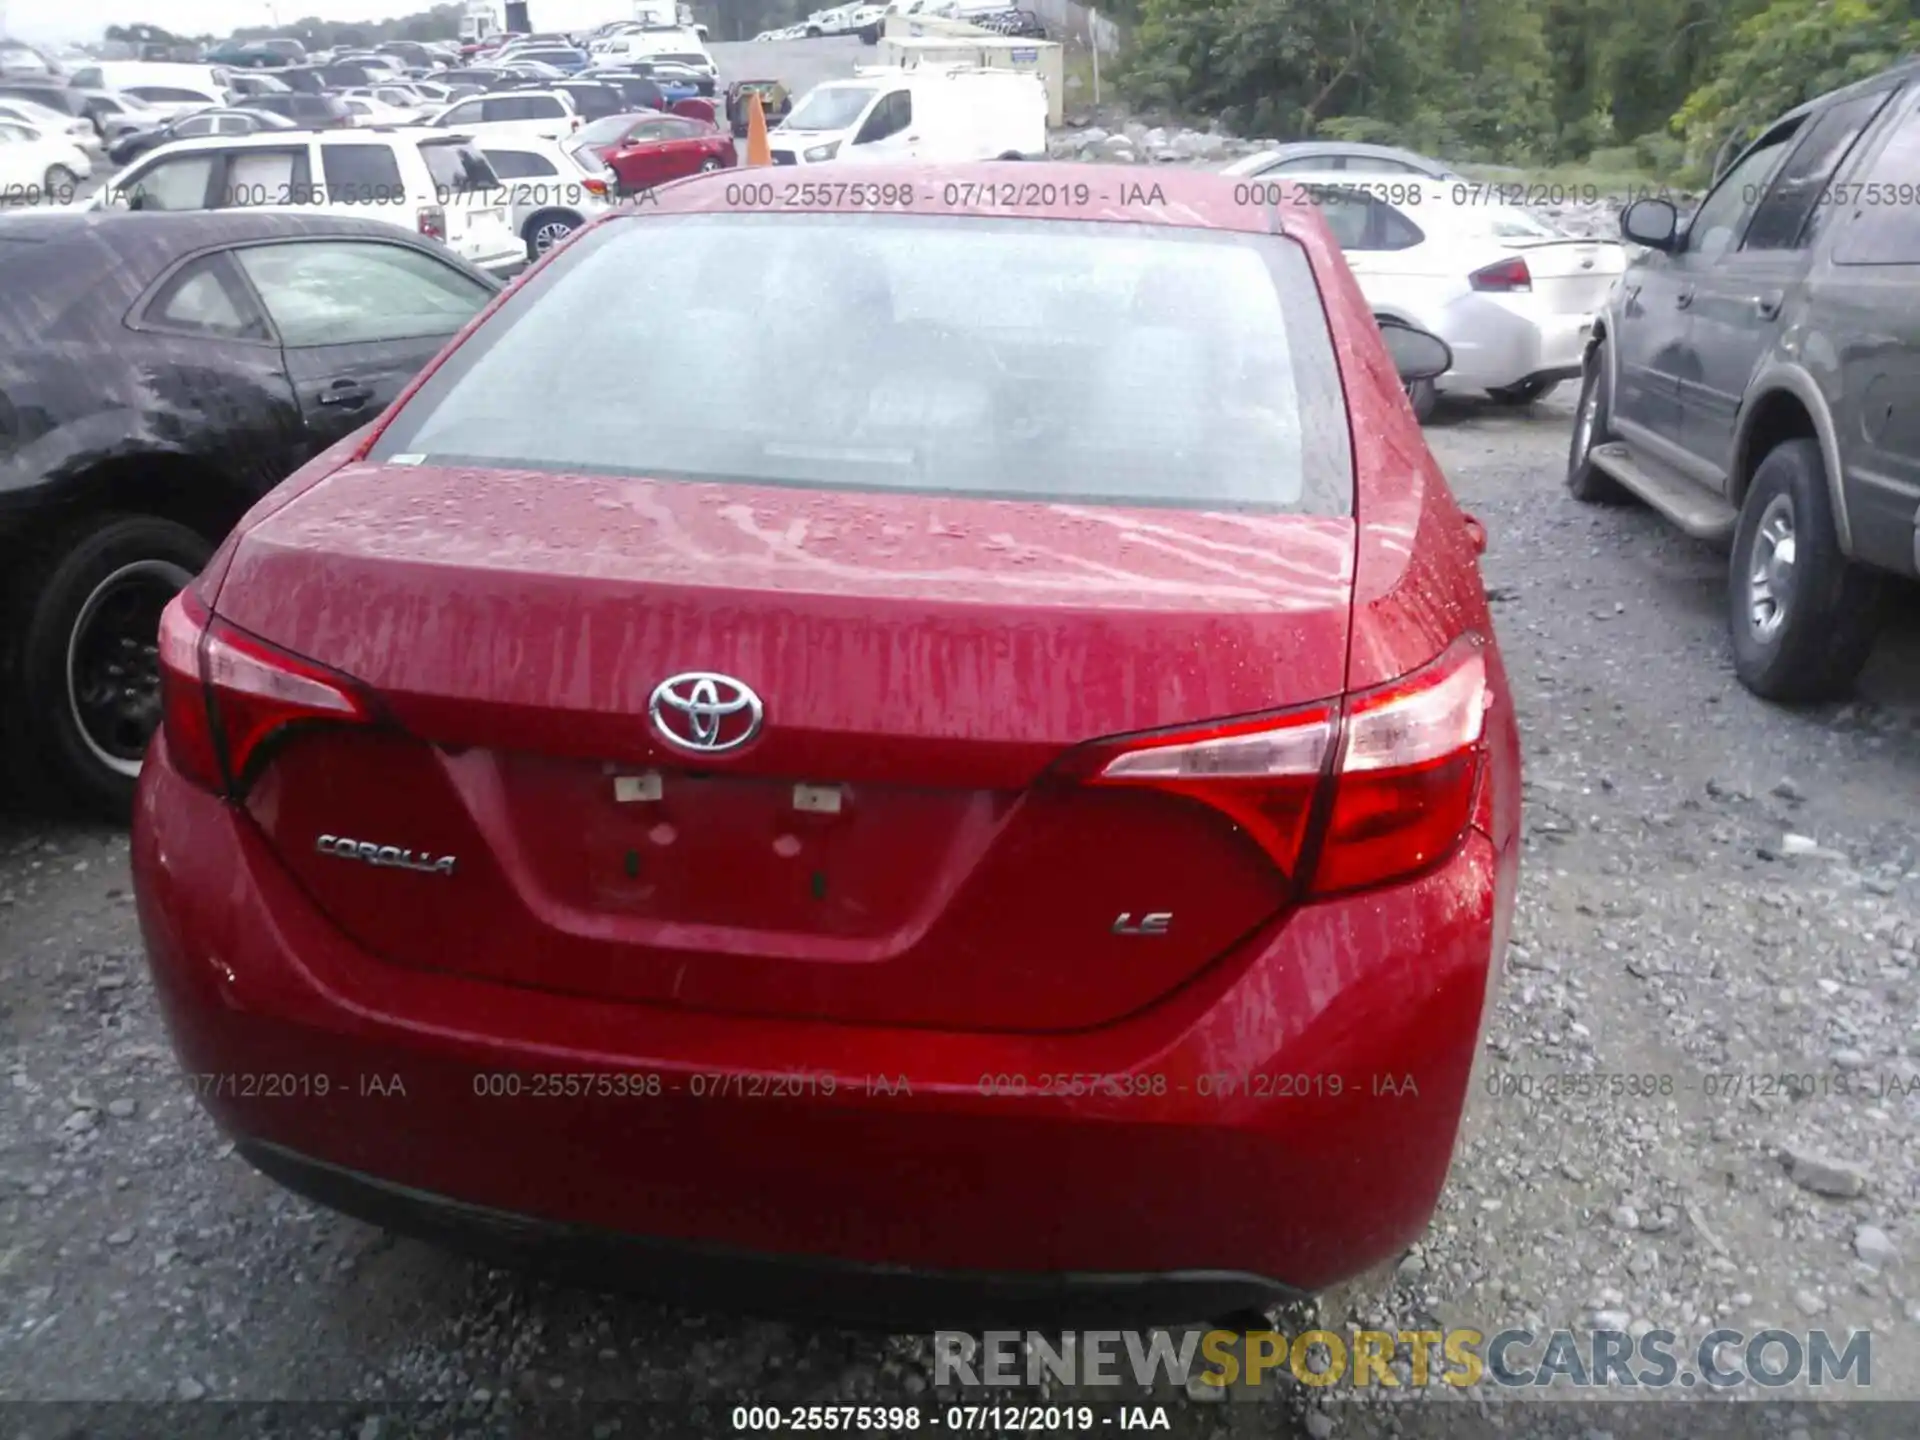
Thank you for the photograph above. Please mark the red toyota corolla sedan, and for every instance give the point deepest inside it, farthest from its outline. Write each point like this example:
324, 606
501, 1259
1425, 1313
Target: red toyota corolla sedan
986, 790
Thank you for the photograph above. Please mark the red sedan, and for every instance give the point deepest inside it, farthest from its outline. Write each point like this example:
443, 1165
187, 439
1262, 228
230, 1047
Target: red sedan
651, 149
1016, 821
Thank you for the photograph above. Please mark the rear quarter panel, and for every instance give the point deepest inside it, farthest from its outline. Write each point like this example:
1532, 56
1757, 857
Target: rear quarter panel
1417, 581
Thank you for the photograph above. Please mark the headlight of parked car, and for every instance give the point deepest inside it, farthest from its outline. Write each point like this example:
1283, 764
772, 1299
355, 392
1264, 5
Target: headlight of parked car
824, 152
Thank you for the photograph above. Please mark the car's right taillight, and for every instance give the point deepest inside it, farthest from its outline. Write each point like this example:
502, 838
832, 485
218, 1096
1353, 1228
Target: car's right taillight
1341, 795
228, 697
1408, 773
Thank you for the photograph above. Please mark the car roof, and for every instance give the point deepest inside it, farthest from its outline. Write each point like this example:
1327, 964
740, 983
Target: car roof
273, 139
1171, 196
1433, 190
1360, 149
1458, 202
56, 255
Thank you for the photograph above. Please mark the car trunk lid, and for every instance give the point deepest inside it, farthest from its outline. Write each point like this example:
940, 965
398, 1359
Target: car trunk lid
893, 847
1570, 275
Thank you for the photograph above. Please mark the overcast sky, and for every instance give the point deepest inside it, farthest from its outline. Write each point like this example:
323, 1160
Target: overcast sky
87, 19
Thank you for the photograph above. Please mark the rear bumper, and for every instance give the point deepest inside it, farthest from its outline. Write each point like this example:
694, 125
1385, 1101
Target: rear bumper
1310, 1088
1495, 346
786, 1286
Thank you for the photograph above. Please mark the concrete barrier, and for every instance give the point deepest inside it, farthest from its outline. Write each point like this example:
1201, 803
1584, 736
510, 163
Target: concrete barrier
910, 42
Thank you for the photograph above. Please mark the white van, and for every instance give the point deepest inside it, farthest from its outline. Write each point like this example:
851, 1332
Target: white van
169, 88
679, 46
965, 113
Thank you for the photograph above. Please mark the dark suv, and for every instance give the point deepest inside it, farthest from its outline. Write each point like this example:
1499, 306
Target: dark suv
1755, 377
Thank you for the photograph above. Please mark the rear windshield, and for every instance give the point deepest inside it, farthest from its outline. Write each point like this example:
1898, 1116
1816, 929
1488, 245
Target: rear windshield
1028, 359
457, 168
1507, 223
602, 132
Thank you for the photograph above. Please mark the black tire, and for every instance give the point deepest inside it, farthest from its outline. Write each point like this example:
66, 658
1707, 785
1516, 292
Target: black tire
1424, 397
544, 231
1525, 393
1803, 626
814, 32
75, 591
709, 165
1593, 426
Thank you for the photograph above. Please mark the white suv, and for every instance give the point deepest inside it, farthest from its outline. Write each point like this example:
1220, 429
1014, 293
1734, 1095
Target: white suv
540, 114
429, 181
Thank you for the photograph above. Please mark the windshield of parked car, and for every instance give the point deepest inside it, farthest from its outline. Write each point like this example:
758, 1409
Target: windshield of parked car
1019, 358
831, 107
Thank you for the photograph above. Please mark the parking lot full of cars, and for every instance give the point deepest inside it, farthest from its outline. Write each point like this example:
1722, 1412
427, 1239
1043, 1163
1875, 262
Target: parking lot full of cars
547, 609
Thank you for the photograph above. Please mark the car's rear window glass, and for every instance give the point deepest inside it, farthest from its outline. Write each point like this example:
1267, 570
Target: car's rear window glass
460, 169
1032, 359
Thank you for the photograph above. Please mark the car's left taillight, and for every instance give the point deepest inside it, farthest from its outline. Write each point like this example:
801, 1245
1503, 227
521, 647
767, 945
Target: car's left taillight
1342, 795
228, 697
431, 220
1503, 277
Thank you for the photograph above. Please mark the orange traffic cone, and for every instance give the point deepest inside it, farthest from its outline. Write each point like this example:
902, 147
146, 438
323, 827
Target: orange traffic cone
758, 151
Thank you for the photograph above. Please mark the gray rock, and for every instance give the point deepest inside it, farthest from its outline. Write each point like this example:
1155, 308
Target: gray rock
121, 1109
1822, 1174
1624, 1217
189, 1388
1874, 1246
1809, 1303
1197, 145
1319, 1424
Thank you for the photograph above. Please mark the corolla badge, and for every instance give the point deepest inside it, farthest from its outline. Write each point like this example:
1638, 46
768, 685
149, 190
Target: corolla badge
705, 712
387, 857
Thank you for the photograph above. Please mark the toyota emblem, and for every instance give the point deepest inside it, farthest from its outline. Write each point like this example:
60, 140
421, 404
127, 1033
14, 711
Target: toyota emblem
705, 712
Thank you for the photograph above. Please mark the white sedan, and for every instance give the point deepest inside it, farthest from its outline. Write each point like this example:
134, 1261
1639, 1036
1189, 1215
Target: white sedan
49, 121
1512, 295
38, 167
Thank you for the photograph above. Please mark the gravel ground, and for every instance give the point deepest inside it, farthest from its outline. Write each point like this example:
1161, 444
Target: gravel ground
1670, 925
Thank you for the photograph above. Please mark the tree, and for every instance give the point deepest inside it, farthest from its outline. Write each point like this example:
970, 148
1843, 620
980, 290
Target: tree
1788, 53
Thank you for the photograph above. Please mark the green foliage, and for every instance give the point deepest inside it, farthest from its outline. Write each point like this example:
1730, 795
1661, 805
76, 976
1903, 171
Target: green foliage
1790, 52
1629, 86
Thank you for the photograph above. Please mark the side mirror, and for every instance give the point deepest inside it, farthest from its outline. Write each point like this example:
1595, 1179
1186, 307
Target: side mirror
1417, 354
137, 200
1652, 223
